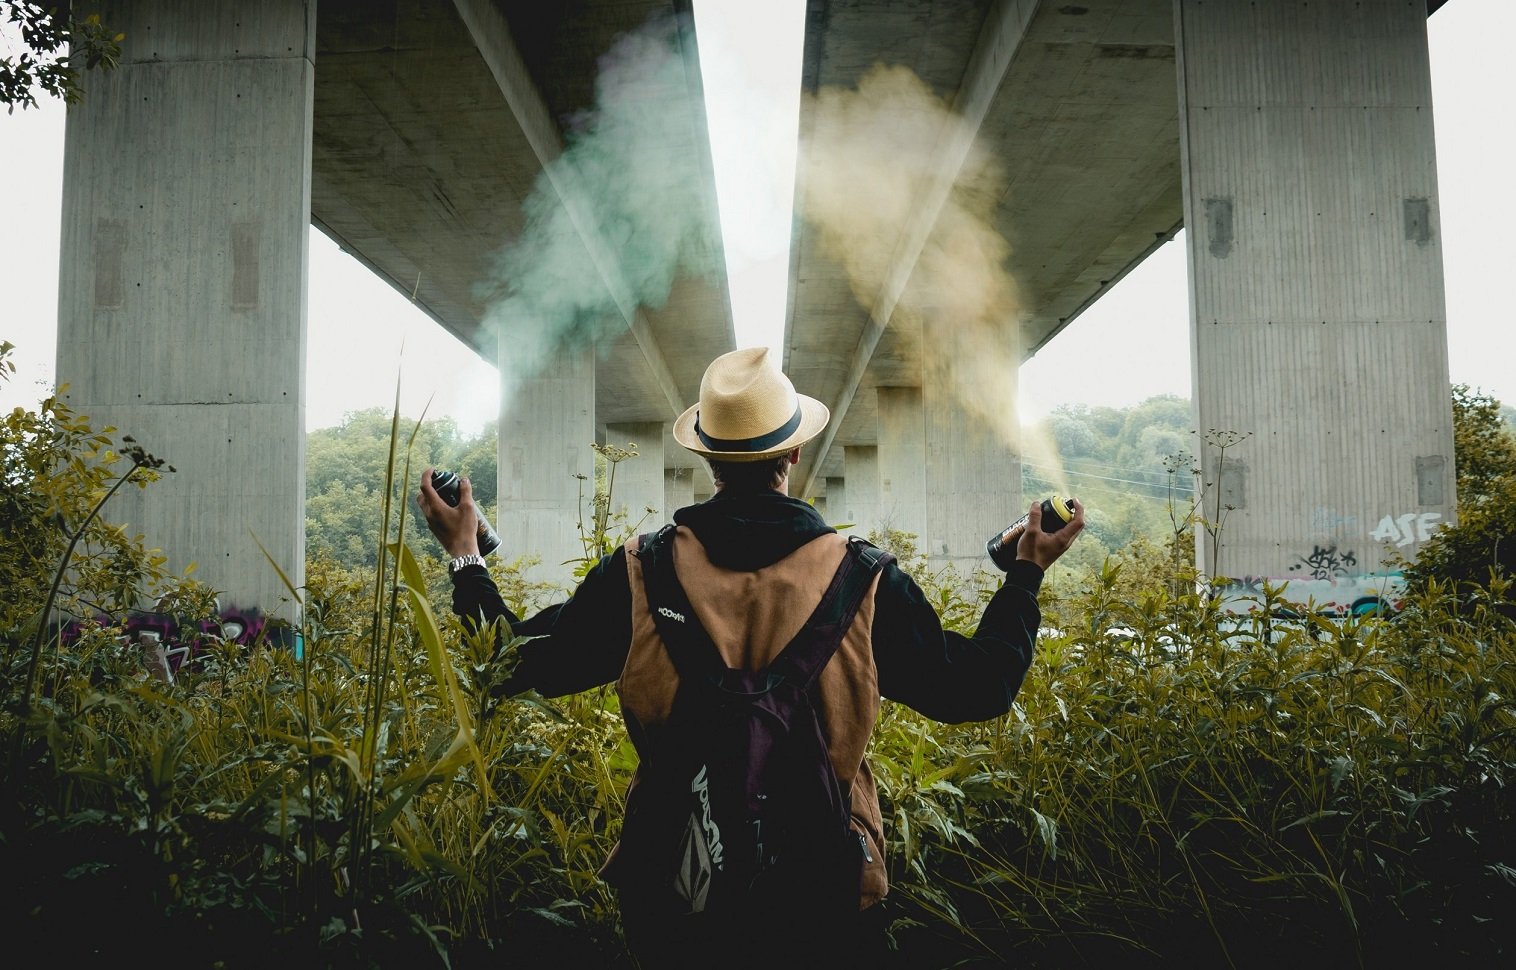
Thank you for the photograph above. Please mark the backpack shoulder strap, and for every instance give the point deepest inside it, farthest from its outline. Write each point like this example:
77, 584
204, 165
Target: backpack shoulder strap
694, 655
812, 648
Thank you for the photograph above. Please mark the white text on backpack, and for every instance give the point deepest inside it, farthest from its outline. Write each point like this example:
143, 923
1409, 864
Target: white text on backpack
712, 833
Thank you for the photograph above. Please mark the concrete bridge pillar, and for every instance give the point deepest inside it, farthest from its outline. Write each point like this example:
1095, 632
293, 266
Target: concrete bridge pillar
902, 462
640, 481
973, 456
181, 312
1315, 256
861, 464
836, 502
547, 424
678, 490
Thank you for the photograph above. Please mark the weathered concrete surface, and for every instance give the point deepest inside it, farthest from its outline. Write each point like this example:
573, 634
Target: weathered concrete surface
181, 316
678, 489
640, 481
544, 442
1080, 103
433, 123
1077, 104
861, 475
1315, 256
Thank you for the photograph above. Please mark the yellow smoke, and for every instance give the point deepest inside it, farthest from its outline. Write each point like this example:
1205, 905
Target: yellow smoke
895, 184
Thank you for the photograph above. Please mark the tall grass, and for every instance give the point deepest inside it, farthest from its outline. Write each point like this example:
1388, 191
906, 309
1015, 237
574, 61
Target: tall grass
1173, 786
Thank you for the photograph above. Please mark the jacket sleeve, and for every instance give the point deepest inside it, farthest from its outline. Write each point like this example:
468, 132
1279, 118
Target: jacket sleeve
945, 675
578, 644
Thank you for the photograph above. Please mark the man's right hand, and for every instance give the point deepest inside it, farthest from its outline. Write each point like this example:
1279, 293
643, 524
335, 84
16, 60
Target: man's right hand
456, 528
1044, 548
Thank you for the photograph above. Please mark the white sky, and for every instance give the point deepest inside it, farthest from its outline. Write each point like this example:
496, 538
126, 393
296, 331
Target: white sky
1131, 345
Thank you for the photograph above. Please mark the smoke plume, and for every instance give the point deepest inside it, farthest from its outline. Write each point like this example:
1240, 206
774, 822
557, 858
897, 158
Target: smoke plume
903, 198
614, 219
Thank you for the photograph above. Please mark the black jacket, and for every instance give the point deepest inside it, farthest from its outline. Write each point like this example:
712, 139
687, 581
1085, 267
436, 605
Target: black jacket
583, 642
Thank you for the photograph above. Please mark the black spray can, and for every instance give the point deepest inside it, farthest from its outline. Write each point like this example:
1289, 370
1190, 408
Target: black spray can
1056, 513
446, 484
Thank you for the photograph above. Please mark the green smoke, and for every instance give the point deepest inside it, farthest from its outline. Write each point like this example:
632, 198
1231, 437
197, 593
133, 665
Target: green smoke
623, 212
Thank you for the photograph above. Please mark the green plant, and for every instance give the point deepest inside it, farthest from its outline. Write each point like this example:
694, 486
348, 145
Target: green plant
606, 529
49, 36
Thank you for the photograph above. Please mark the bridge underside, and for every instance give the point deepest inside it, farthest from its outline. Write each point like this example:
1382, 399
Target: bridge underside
1295, 141
432, 139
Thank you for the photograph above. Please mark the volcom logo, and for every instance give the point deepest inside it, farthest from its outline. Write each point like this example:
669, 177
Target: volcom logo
712, 833
671, 614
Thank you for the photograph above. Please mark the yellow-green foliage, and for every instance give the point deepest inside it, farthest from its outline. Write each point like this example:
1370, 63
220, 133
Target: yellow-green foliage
1174, 786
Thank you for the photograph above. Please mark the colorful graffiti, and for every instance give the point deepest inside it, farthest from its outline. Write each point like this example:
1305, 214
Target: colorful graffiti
1332, 594
170, 644
1332, 580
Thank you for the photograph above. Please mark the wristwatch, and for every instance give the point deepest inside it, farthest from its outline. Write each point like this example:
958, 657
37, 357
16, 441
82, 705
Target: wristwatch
463, 561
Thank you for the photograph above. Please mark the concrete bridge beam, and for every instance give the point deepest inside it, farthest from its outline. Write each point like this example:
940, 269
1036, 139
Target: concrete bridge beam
678, 490
973, 457
836, 501
641, 481
1318, 320
547, 425
861, 466
181, 314
902, 462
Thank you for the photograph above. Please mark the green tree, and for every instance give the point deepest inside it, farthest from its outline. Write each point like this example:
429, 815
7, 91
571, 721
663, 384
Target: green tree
1485, 537
53, 42
55, 472
344, 480
1483, 446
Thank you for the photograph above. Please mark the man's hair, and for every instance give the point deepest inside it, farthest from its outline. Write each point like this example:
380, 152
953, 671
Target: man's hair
751, 476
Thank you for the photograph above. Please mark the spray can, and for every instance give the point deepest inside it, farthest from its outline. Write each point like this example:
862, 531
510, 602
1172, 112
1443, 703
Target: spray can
1057, 512
446, 483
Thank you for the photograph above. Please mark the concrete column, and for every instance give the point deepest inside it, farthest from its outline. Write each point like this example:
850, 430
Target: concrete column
861, 463
973, 446
902, 462
547, 424
678, 490
639, 484
836, 502
1315, 257
181, 291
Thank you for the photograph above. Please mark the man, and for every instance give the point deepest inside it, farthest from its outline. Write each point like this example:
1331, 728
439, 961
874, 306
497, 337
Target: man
754, 564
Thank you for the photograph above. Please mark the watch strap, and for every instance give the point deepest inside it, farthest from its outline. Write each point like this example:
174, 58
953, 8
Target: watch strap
463, 562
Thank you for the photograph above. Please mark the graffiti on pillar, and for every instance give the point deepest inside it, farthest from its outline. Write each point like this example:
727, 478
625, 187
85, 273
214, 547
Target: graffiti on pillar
187, 640
1331, 595
1405, 529
1326, 562
1331, 580
1325, 521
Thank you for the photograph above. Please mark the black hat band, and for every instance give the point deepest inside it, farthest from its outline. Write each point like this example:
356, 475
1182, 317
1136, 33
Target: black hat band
761, 443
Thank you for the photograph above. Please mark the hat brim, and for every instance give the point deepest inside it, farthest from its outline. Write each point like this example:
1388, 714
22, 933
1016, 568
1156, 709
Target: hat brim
813, 418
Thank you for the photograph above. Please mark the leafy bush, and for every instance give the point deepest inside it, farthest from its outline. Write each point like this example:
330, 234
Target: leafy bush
1483, 542
1174, 785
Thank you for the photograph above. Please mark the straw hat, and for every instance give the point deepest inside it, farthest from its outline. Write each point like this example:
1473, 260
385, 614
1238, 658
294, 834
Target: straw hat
748, 411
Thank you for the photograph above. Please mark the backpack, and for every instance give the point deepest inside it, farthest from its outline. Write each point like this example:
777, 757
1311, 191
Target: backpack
737, 808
